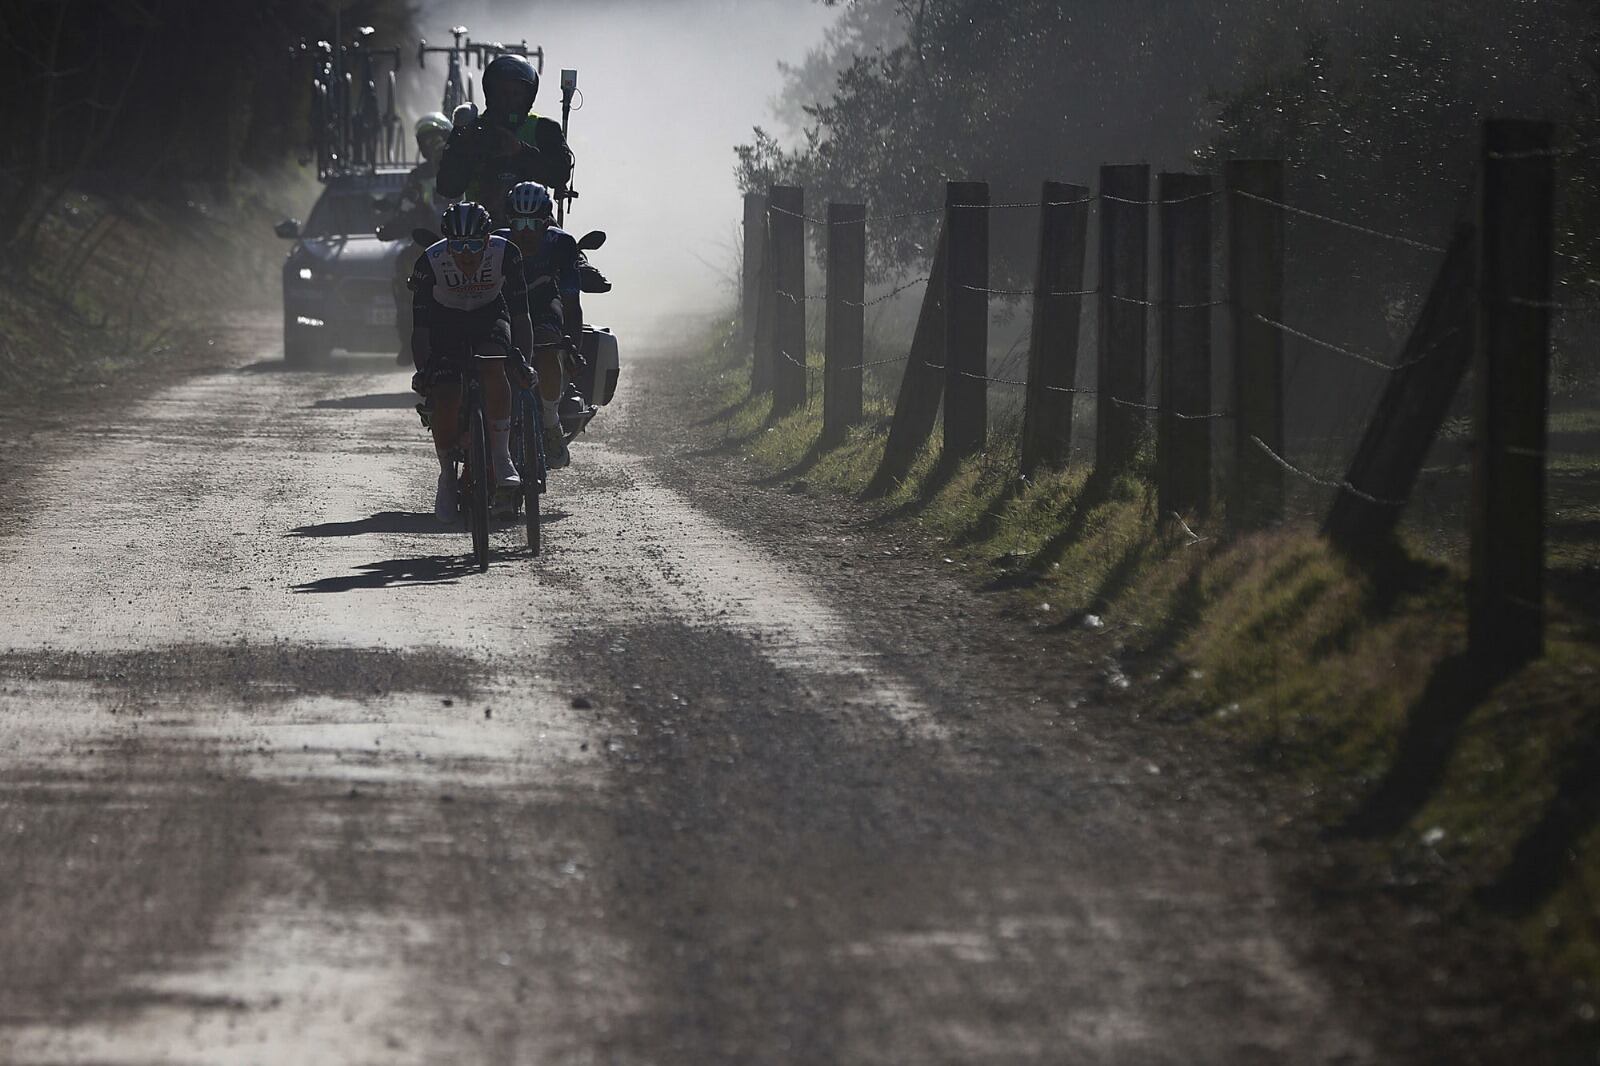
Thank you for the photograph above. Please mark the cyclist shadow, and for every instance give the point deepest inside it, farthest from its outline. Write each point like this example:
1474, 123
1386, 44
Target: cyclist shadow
402, 522
382, 522
396, 573
372, 401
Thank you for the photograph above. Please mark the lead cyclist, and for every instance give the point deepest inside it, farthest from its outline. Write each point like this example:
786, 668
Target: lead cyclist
469, 297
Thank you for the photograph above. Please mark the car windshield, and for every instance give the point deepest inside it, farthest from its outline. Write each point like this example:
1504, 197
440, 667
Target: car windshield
343, 212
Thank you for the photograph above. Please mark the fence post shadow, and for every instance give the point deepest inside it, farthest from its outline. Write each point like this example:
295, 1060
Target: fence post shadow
1434, 724
1542, 856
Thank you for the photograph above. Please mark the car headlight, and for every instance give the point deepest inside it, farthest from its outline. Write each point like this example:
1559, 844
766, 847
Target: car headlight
305, 274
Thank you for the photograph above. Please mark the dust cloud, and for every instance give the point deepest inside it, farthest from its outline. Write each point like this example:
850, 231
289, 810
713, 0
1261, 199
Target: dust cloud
667, 89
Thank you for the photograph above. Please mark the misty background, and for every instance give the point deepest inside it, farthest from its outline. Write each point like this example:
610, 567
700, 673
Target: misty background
667, 89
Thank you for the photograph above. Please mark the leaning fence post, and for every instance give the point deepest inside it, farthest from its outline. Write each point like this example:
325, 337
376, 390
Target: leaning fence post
755, 238
845, 330
1120, 388
1506, 590
966, 317
1255, 294
916, 406
1183, 427
788, 205
1414, 405
1053, 340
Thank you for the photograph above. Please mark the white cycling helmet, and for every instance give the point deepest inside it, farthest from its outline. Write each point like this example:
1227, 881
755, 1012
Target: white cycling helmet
529, 199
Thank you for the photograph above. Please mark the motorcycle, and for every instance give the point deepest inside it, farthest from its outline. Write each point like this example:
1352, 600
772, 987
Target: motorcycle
594, 381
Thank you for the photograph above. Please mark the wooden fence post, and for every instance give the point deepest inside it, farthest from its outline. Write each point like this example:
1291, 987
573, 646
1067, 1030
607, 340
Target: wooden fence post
845, 331
1053, 339
755, 239
916, 407
1124, 306
1414, 405
1506, 597
1183, 428
1255, 294
966, 317
788, 241
762, 371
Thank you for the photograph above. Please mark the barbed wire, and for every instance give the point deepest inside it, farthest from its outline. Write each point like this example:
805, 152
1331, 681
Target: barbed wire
1208, 195
1546, 153
1097, 292
1077, 390
891, 294
1357, 227
1320, 343
1553, 305
1327, 482
1003, 206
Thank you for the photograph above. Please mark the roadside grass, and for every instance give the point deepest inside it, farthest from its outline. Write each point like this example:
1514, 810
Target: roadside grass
111, 285
1474, 796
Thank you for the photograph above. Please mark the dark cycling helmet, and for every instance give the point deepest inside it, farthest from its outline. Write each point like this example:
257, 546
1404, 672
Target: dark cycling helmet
466, 219
529, 199
506, 73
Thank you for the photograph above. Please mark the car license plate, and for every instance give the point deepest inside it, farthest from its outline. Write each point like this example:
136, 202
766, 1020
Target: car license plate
381, 315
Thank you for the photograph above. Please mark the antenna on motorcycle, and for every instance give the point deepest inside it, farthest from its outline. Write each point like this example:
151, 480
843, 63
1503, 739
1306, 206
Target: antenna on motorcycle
569, 87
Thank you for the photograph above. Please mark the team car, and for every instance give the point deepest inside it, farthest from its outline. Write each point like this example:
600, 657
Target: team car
338, 289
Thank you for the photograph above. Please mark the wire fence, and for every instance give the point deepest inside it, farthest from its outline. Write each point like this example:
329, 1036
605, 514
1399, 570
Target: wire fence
1330, 386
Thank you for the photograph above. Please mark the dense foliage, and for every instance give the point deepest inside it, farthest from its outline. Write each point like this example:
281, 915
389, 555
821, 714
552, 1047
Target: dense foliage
1374, 106
141, 96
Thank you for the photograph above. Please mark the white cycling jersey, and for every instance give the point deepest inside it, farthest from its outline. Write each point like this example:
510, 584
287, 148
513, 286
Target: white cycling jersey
471, 281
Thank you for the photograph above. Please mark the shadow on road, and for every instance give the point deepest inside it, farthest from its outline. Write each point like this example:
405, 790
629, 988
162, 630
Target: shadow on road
334, 364
382, 522
372, 401
393, 573
399, 522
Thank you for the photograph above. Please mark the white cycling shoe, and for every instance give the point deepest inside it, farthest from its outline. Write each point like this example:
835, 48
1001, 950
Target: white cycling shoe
445, 497
511, 481
556, 454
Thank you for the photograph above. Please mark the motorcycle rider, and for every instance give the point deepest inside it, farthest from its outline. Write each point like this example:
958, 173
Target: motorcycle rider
551, 264
419, 206
469, 296
489, 153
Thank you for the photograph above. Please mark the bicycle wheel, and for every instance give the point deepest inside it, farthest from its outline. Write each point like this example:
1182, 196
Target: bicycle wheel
532, 468
480, 478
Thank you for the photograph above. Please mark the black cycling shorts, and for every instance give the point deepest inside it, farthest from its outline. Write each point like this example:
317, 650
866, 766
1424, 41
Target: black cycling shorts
455, 343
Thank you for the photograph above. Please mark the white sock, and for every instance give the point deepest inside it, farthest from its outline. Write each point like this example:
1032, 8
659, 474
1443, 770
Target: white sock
552, 413
500, 441
447, 464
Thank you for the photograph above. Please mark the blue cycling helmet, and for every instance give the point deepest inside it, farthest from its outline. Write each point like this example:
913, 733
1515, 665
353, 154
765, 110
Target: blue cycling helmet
466, 219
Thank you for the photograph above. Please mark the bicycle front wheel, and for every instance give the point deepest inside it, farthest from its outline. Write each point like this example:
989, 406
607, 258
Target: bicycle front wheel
532, 468
480, 478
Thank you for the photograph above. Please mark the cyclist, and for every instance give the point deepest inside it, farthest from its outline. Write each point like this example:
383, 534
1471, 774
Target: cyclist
469, 298
419, 206
489, 153
551, 266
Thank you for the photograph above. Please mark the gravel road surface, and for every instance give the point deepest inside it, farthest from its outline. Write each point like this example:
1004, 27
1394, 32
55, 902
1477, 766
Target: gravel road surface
283, 781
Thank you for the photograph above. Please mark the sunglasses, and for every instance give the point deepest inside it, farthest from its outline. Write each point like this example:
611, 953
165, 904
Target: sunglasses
466, 244
529, 223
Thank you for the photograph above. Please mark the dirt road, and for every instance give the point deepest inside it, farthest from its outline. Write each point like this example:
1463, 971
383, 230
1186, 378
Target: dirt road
282, 782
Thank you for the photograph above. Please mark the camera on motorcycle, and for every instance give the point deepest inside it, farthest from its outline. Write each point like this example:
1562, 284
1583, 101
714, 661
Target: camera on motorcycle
288, 229
592, 240
424, 238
